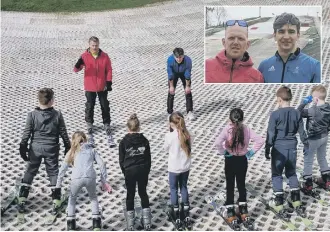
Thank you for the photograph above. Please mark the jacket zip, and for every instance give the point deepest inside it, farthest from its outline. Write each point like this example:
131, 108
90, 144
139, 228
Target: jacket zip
284, 64
97, 70
231, 72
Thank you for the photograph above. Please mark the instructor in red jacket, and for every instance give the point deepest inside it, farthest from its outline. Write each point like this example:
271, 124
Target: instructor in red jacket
233, 64
97, 82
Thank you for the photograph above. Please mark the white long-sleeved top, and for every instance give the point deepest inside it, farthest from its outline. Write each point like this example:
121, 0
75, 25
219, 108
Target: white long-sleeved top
178, 161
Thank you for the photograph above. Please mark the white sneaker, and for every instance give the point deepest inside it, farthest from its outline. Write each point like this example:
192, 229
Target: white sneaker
191, 116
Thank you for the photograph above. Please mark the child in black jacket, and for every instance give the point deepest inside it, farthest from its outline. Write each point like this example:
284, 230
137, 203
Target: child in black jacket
135, 163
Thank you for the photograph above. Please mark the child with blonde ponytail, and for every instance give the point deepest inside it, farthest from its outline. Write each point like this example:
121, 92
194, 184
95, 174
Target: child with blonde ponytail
178, 145
81, 157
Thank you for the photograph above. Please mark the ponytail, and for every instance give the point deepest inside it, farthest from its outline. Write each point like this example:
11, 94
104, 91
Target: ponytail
184, 136
237, 139
77, 138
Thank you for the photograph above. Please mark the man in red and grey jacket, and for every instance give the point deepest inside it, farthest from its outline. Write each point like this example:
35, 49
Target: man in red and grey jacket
97, 82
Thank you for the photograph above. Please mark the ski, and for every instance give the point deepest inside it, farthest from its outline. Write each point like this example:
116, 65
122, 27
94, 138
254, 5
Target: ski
284, 216
220, 209
248, 224
11, 199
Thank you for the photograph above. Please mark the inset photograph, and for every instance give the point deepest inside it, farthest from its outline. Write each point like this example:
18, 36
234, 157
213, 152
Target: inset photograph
262, 44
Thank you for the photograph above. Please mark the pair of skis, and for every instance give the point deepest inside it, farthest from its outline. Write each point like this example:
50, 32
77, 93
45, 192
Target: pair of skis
217, 202
285, 215
186, 224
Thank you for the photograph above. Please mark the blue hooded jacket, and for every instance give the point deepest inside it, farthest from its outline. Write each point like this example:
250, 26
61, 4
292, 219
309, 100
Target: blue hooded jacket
182, 69
299, 68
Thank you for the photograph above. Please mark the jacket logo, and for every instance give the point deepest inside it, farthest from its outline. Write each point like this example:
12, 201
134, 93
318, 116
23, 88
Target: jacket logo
132, 152
271, 69
296, 70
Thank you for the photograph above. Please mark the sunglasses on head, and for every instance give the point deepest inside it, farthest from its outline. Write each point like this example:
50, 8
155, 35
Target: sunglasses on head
240, 23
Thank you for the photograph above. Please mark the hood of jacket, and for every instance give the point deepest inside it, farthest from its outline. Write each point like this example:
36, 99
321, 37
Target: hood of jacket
45, 116
135, 138
245, 61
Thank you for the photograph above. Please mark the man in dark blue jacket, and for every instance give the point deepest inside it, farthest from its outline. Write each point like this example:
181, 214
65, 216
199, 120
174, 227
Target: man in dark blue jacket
179, 67
289, 64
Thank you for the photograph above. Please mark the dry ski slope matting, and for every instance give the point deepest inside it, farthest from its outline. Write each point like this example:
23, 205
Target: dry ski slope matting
39, 50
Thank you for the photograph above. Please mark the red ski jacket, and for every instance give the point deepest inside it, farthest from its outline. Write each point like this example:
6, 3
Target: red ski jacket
97, 70
222, 70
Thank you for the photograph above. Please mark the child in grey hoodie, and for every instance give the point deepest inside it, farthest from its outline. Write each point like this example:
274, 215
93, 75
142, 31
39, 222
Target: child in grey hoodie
317, 127
81, 157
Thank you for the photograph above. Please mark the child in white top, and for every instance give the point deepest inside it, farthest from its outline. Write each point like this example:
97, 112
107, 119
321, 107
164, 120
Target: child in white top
178, 145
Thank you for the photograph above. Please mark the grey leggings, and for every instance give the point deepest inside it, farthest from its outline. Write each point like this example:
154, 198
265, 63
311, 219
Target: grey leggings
75, 188
319, 147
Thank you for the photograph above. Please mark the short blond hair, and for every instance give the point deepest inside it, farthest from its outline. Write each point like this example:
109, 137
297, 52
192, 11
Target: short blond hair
321, 90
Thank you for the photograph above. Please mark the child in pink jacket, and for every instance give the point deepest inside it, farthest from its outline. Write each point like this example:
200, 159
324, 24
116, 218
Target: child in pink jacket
233, 143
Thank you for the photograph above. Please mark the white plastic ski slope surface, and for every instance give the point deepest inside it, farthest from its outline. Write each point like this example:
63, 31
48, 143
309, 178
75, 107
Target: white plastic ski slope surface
39, 50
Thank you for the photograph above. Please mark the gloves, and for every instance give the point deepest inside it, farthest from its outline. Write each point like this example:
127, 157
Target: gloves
79, 63
109, 84
66, 149
227, 155
267, 152
23, 150
308, 99
250, 154
106, 187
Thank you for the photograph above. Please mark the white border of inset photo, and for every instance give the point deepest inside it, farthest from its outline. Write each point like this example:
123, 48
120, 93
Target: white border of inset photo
262, 34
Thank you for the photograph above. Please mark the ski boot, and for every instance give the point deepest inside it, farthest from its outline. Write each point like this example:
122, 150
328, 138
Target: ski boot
90, 135
97, 223
71, 223
324, 181
130, 218
276, 203
174, 215
146, 215
57, 202
111, 141
307, 186
22, 196
295, 202
229, 215
185, 216
244, 216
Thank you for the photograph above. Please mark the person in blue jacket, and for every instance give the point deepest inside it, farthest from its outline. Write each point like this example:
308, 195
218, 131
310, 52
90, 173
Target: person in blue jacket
179, 67
289, 64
